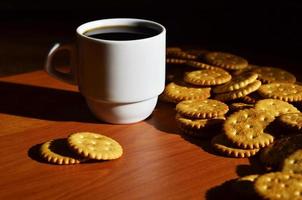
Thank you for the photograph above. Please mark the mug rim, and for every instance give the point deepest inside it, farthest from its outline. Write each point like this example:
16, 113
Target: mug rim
114, 21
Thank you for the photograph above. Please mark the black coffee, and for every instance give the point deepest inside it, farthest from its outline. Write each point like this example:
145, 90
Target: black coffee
122, 32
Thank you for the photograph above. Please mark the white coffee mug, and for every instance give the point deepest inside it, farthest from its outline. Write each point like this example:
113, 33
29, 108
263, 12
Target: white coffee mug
120, 79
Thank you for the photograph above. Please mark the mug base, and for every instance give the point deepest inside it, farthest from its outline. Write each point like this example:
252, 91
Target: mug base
122, 113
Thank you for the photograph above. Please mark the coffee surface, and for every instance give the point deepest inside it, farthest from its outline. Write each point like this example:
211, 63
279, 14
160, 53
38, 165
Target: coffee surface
121, 33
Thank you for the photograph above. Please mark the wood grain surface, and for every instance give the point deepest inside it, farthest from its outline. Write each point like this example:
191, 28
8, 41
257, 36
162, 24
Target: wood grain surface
158, 162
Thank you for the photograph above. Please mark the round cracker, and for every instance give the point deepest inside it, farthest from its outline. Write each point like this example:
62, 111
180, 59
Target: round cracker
176, 61
201, 109
197, 123
245, 128
221, 144
57, 152
292, 120
200, 65
179, 93
181, 55
226, 60
236, 83
95, 146
207, 77
275, 107
279, 185
273, 74
293, 163
282, 91
228, 96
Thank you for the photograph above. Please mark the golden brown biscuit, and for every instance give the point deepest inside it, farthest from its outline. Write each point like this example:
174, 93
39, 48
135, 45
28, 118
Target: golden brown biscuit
207, 77
180, 54
236, 94
245, 128
95, 146
272, 75
226, 60
200, 65
178, 93
221, 144
274, 154
177, 61
293, 163
279, 185
236, 83
282, 91
57, 152
202, 109
196, 124
291, 120
275, 107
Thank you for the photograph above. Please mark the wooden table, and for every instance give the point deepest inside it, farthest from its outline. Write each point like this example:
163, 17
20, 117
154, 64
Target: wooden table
158, 162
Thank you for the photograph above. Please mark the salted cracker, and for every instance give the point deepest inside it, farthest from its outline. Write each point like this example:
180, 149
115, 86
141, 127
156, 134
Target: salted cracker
177, 92
273, 74
291, 120
275, 107
207, 77
293, 163
221, 144
95, 146
283, 91
197, 124
202, 109
245, 128
236, 94
279, 185
226, 60
57, 152
236, 83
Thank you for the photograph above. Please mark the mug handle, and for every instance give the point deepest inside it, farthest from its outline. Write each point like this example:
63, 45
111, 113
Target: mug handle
69, 77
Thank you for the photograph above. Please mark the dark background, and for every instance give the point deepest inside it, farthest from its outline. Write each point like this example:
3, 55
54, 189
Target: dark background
266, 33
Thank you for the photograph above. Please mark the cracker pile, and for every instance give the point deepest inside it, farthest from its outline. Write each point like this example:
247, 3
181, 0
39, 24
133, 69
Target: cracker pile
272, 185
200, 117
244, 110
80, 147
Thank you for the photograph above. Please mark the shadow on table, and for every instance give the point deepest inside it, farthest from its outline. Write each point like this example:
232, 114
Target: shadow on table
163, 118
232, 189
203, 143
222, 192
255, 167
34, 153
60, 147
43, 103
